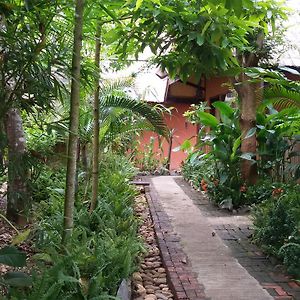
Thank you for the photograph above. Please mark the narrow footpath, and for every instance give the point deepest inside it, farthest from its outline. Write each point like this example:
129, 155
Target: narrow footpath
218, 248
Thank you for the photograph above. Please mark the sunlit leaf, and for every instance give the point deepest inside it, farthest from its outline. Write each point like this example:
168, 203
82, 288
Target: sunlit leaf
21, 237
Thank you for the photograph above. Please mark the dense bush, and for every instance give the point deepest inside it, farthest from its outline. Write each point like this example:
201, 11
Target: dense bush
277, 226
198, 167
204, 172
104, 244
218, 172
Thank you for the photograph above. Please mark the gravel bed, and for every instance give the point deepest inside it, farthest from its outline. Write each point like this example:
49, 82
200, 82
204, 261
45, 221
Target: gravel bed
150, 282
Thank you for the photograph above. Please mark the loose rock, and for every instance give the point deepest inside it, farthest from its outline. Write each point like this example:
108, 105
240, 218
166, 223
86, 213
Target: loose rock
150, 281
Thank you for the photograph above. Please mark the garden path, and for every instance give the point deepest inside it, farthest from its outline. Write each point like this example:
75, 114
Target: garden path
207, 237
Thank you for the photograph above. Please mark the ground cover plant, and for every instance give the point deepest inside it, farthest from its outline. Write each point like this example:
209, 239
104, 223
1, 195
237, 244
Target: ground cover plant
103, 248
277, 221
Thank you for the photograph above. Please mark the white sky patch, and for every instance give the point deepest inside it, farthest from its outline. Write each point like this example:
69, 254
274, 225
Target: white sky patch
292, 56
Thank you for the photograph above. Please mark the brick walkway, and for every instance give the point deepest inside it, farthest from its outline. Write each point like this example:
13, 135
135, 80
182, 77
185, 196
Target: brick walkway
267, 271
183, 281
259, 278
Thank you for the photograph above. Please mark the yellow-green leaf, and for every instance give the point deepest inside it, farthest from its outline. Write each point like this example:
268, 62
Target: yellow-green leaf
138, 4
20, 238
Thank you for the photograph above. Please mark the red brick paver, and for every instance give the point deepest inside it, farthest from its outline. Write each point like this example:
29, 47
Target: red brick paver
183, 281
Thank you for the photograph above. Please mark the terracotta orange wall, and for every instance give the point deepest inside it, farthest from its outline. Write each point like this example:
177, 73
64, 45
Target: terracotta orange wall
182, 130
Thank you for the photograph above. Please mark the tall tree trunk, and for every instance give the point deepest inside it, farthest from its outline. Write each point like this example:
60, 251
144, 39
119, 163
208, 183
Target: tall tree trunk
17, 197
248, 97
95, 162
74, 124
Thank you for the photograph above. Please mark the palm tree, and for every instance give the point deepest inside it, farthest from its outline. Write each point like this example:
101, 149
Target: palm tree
116, 115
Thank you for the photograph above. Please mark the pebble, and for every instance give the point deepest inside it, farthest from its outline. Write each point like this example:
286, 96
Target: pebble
137, 277
140, 291
150, 297
150, 281
161, 296
160, 280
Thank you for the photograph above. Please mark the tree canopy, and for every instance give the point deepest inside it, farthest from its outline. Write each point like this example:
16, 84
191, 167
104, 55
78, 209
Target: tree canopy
199, 37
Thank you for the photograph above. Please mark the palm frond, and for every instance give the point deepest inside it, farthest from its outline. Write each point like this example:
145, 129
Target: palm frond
282, 97
109, 87
137, 107
126, 131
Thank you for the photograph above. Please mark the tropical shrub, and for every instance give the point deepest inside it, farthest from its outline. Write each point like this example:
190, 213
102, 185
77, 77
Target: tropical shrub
104, 245
198, 167
263, 190
148, 160
223, 182
277, 135
277, 226
278, 138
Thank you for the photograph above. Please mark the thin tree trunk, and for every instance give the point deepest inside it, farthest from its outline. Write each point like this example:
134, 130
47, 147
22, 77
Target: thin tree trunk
17, 197
84, 159
170, 149
2, 144
77, 168
74, 124
95, 162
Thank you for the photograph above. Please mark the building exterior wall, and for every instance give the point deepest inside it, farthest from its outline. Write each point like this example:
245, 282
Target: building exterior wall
183, 130
216, 86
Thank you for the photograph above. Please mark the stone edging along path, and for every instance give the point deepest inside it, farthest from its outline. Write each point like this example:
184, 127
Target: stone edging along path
182, 280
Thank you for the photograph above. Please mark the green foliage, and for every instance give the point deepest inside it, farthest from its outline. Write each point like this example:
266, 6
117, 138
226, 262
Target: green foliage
261, 191
197, 167
198, 38
224, 139
277, 134
278, 138
32, 63
12, 257
290, 252
104, 244
148, 160
116, 105
276, 222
